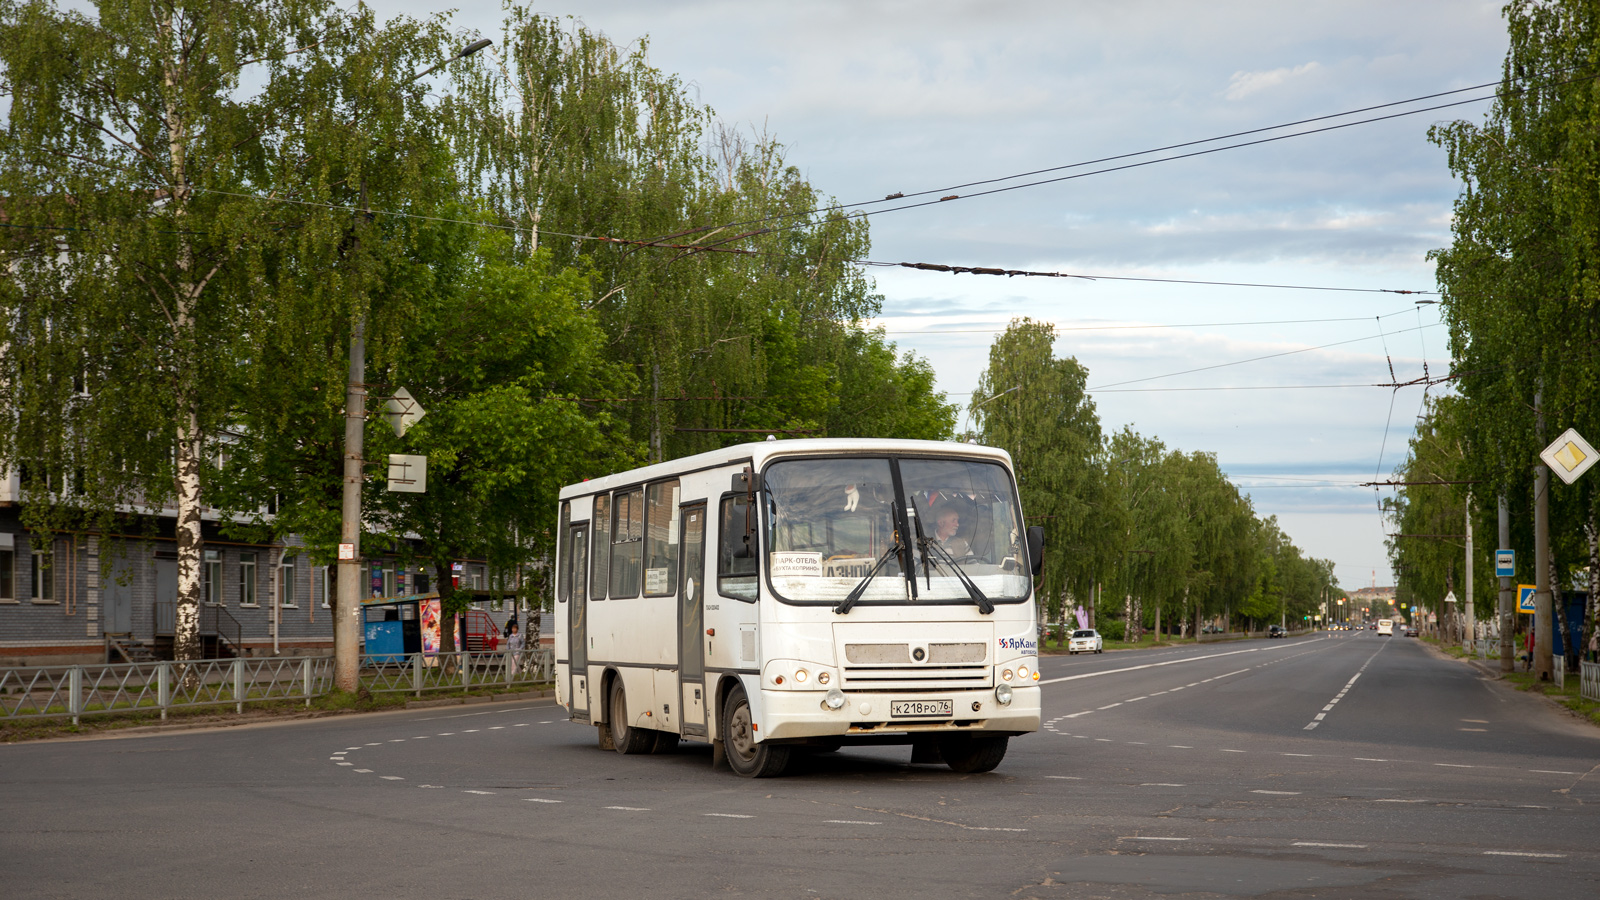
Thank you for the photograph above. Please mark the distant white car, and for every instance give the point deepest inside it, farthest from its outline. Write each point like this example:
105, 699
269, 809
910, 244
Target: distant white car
1085, 640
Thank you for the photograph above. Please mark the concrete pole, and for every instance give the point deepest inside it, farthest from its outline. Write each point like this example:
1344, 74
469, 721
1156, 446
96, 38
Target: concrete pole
1508, 647
1469, 614
1543, 607
347, 605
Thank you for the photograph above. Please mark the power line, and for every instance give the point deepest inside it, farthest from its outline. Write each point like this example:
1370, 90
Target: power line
1252, 359
1178, 325
1105, 159
1012, 273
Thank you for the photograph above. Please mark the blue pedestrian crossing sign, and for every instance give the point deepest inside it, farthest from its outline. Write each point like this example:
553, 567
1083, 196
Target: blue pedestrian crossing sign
1525, 598
1505, 563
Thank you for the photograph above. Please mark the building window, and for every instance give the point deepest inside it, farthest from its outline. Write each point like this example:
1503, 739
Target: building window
330, 585
211, 573
44, 576
8, 574
286, 577
389, 583
247, 578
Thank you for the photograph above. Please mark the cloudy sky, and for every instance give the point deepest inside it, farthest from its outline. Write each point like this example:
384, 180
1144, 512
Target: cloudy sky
872, 98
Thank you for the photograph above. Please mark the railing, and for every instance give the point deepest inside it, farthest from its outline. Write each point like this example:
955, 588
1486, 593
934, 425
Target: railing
37, 692
1589, 681
52, 691
215, 619
418, 672
1559, 671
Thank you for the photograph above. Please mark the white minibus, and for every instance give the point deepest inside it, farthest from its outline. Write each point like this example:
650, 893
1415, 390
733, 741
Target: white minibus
797, 596
1386, 627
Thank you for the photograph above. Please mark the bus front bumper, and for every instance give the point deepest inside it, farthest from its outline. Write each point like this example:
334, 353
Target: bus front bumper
802, 714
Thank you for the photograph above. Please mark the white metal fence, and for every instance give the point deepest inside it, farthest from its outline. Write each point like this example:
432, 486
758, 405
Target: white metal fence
52, 691
40, 692
1589, 680
418, 672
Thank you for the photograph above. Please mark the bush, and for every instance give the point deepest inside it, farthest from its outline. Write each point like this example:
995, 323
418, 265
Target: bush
1114, 630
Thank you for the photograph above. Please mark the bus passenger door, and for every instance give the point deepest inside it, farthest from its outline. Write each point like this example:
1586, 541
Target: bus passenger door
578, 619
691, 619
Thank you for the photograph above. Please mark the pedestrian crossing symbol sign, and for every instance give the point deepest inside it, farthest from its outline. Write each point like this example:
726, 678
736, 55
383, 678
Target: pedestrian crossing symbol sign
1525, 598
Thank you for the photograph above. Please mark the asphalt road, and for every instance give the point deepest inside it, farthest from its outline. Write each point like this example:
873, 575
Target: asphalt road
1344, 765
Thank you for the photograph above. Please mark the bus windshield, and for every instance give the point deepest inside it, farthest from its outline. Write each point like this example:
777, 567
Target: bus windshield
833, 522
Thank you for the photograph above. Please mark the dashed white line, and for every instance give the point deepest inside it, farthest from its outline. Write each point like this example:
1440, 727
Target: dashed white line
397, 740
631, 808
432, 786
727, 816
1521, 853
391, 778
541, 800
496, 727
1234, 751
366, 771
1296, 754
1142, 838
1367, 759
1279, 793
1325, 844
1551, 772
470, 731
346, 763
1179, 747
1455, 766
1065, 777
1395, 800
1108, 706
483, 793
848, 822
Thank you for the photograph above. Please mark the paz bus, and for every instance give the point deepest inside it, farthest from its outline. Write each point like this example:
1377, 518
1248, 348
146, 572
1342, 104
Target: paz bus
784, 597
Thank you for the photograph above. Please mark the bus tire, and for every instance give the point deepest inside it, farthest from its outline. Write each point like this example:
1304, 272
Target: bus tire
745, 756
624, 737
971, 754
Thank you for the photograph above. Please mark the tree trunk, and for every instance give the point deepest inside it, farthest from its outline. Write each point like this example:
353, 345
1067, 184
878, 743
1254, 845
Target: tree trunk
1594, 572
444, 570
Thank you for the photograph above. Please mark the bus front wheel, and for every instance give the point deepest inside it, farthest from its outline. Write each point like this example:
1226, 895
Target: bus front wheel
626, 738
970, 754
745, 756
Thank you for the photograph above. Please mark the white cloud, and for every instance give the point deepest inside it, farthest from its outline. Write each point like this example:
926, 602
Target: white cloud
1243, 84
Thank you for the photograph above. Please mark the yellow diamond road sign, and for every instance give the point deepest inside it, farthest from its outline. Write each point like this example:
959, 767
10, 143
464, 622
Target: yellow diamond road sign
1570, 456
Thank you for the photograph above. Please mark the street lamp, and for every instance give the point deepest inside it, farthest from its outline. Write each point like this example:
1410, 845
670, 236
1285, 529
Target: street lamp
346, 620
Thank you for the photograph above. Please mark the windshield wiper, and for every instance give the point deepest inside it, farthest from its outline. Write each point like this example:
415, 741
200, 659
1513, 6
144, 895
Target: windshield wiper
985, 605
861, 587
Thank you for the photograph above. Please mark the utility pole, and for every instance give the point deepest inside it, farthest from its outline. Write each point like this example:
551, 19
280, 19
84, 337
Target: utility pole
1470, 614
1507, 645
1543, 664
347, 611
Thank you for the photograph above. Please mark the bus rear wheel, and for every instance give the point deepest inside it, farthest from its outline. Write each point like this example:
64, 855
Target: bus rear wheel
745, 756
971, 754
624, 737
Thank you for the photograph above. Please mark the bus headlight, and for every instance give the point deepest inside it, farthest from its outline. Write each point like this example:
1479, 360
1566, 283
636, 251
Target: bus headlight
834, 700
1022, 673
1005, 674
1002, 695
800, 676
823, 678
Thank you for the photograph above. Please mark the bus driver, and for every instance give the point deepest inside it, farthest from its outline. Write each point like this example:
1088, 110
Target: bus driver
948, 522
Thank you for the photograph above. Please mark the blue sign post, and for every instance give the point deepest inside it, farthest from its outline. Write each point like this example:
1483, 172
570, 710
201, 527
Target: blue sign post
1505, 563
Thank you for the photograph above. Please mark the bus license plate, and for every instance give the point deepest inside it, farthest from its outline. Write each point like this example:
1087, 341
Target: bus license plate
901, 709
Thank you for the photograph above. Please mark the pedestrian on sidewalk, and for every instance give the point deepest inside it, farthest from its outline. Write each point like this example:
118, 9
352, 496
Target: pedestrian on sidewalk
513, 651
1527, 649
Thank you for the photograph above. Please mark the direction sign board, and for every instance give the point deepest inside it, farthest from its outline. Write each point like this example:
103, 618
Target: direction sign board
408, 474
1570, 456
403, 411
1505, 563
1525, 598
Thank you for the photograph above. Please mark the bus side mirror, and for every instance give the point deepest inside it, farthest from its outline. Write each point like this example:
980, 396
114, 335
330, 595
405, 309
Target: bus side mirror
1036, 548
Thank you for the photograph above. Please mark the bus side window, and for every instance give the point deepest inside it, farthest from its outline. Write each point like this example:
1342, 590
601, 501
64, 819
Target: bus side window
600, 559
627, 543
737, 560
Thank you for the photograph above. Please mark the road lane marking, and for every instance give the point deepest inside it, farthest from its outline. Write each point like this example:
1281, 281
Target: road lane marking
1179, 747
1108, 706
1161, 784
1551, 772
1142, 838
1477, 721
848, 822
631, 808
1520, 853
1233, 751
433, 786
1367, 759
521, 725
1345, 690
1395, 800
496, 727
1472, 729
374, 744
470, 731
483, 793
1455, 766
365, 771
1170, 662
420, 737
1297, 754
542, 800
1279, 793
1323, 844
348, 749
346, 763
727, 816
391, 778
1065, 777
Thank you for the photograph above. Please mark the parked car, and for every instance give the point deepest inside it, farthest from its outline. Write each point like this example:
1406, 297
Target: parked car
1085, 640
1277, 631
